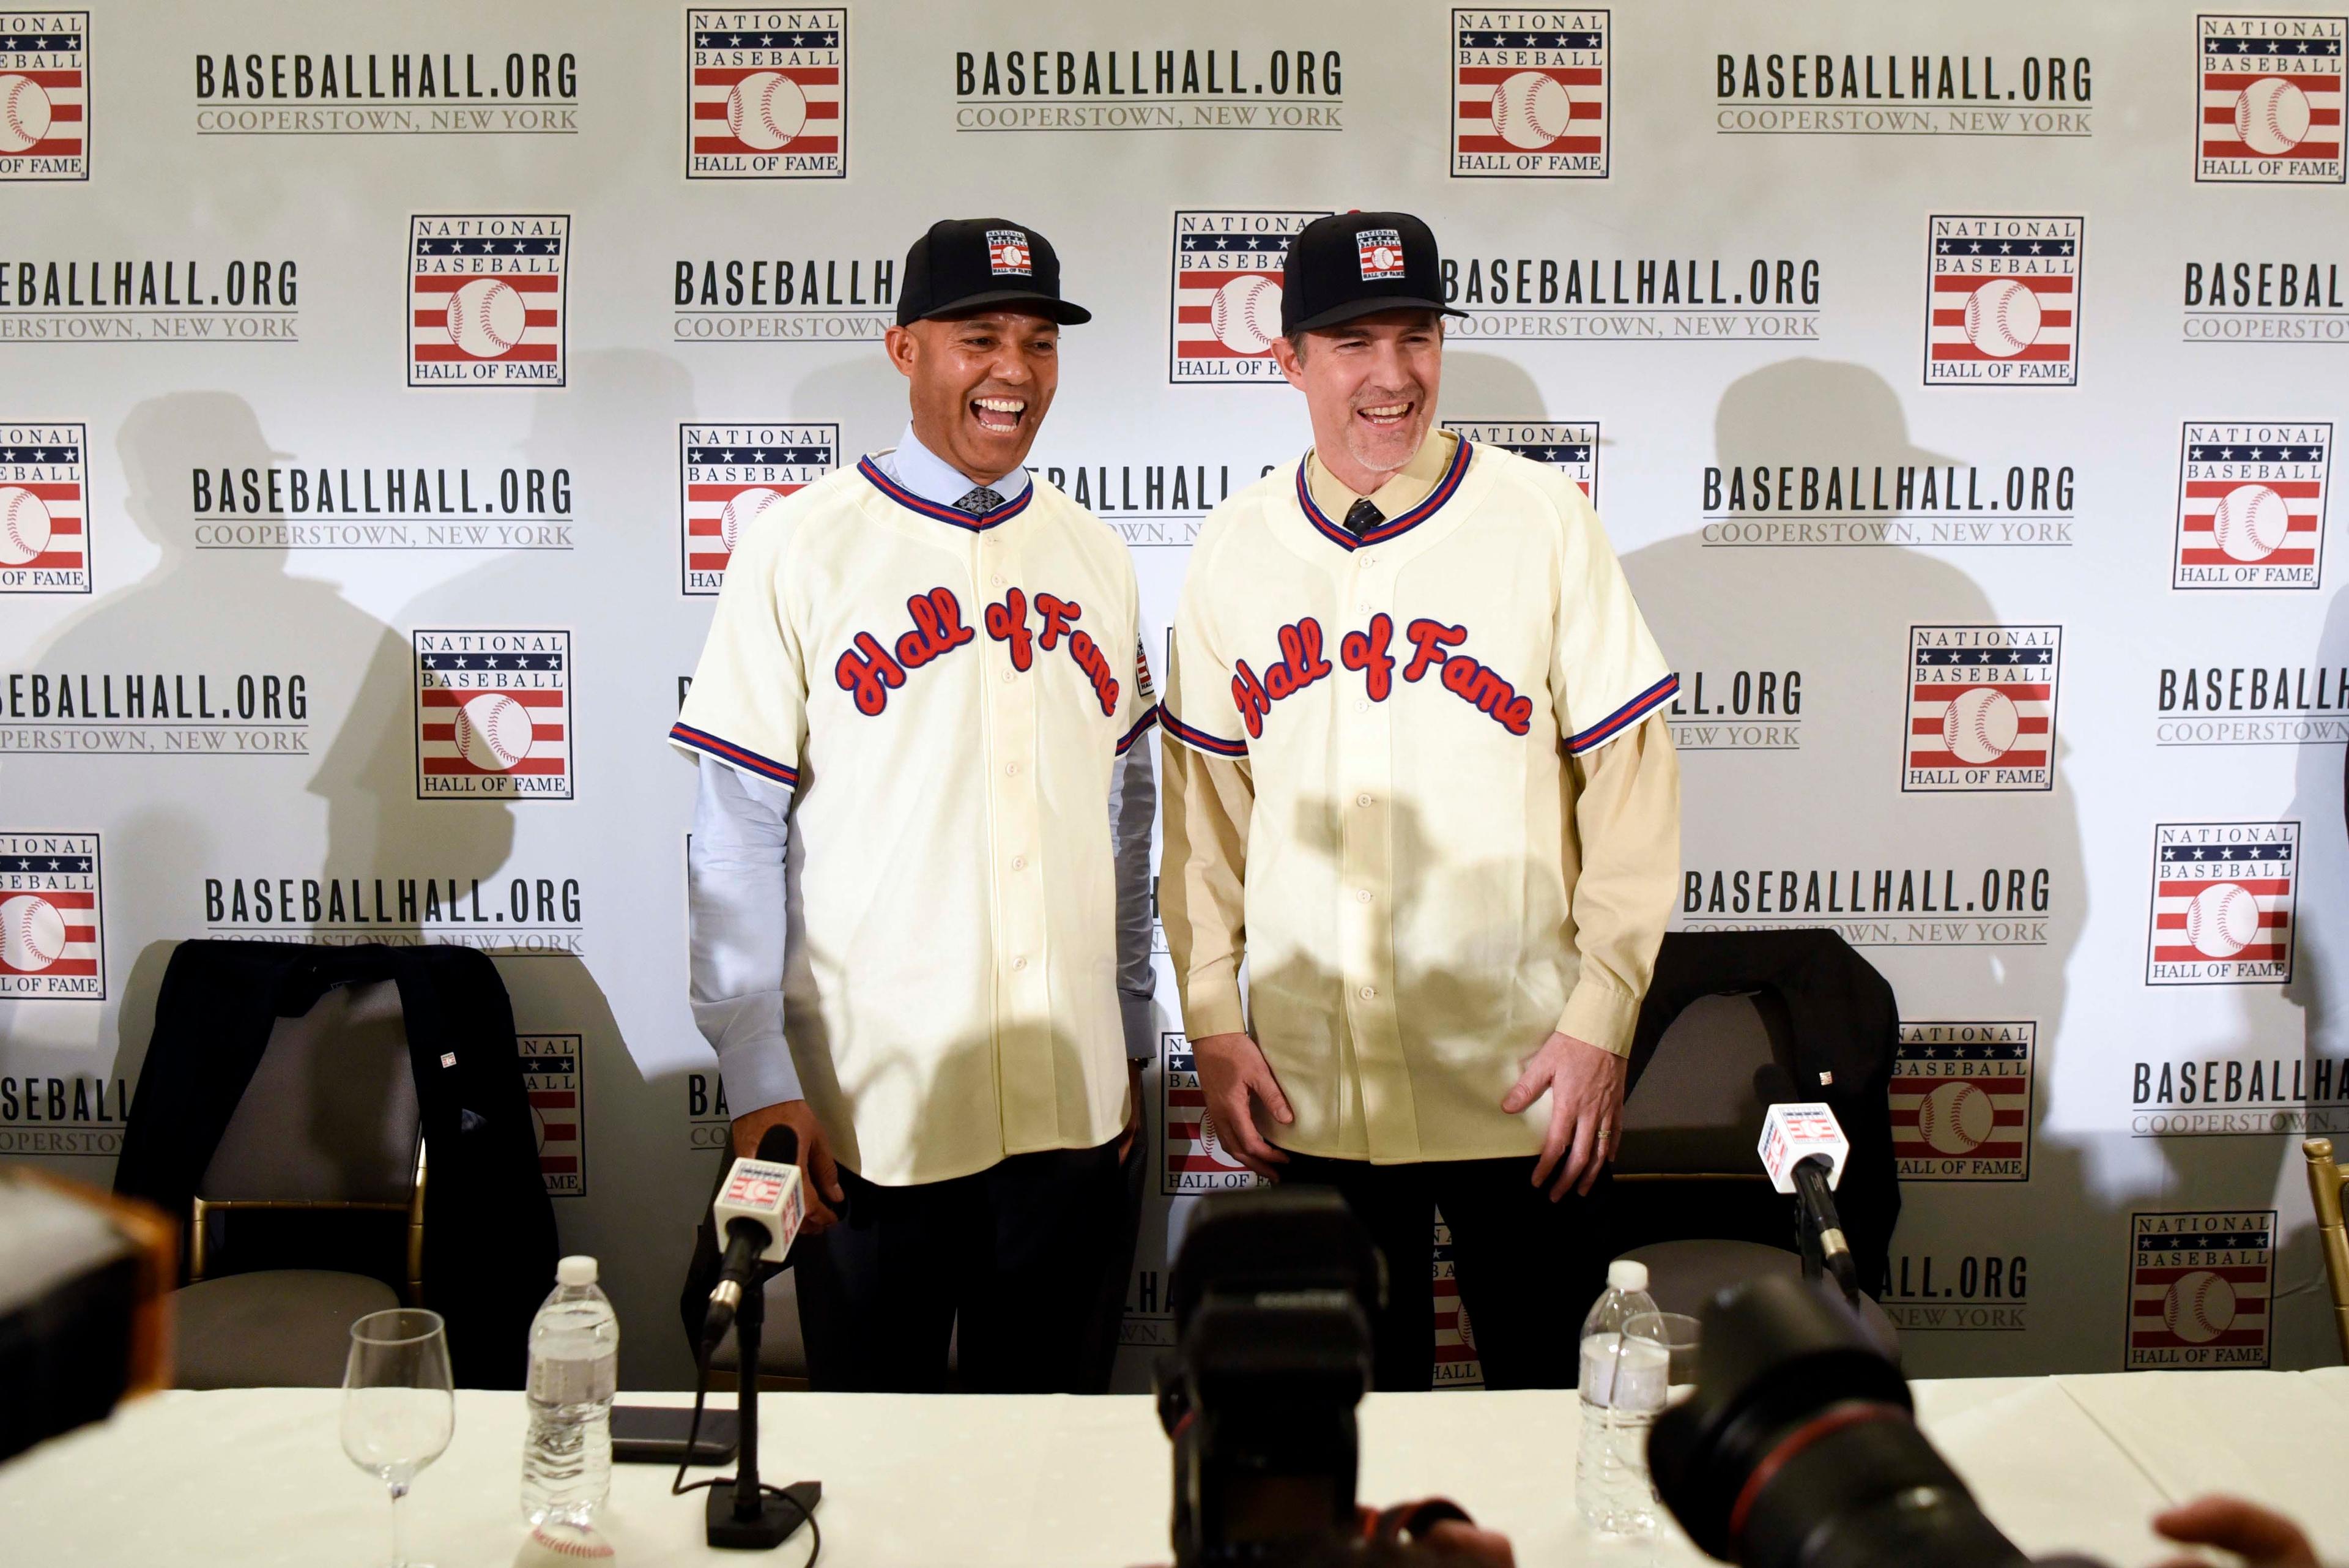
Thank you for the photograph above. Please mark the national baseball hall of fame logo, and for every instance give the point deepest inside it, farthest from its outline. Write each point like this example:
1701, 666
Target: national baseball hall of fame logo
2222, 903
1982, 707
1529, 94
1456, 1366
734, 475
1569, 446
2199, 1286
1196, 1159
2251, 505
1226, 294
44, 95
558, 1110
493, 715
2268, 100
1961, 1101
2003, 301
766, 94
485, 300
44, 509
51, 948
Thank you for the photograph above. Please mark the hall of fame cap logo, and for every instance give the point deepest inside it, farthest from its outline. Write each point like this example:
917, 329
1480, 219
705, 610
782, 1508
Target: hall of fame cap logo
51, 946
485, 300
558, 1110
2199, 1289
2222, 903
2003, 301
2251, 505
733, 476
1008, 254
767, 94
2268, 99
1529, 94
1569, 446
44, 95
1961, 1101
1196, 1159
1982, 707
493, 715
1226, 295
1381, 254
1456, 1366
44, 508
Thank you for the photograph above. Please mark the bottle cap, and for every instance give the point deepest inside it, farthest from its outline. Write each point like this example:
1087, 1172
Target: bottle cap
1623, 1274
580, 1269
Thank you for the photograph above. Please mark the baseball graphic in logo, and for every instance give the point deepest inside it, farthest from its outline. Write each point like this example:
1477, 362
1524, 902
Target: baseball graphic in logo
44, 548
2200, 1288
1982, 707
1961, 1098
2250, 505
2002, 300
1381, 254
1195, 1158
735, 475
486, 300
493, 715
1228, 269
2268, 99
767, 94
1529, 94
2223, 895
50, 917
45, 99
2002, 317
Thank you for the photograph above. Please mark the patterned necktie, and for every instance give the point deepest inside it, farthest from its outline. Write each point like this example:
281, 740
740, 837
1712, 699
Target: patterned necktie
1361, 518
979, 502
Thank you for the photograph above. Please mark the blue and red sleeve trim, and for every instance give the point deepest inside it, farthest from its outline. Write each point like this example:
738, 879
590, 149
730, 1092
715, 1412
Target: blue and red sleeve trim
977, 524
728, 751
1199, 740
1623, 718
1446, 488
1149, 717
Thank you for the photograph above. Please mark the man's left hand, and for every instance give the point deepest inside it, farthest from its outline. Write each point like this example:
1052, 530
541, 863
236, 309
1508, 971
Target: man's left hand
1586, 1110
1132, 1122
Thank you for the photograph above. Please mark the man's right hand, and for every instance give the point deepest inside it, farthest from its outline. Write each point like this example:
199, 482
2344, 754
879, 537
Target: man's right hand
815, 1156
1232, 1072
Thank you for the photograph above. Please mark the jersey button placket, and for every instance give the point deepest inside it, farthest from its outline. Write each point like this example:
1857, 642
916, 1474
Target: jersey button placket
1365, 914
1023, 1014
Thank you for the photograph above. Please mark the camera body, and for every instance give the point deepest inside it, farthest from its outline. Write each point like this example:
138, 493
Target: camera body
1272, 1293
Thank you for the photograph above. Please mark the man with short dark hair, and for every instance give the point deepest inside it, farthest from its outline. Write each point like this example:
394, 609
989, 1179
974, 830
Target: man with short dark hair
1425, 791
900, 949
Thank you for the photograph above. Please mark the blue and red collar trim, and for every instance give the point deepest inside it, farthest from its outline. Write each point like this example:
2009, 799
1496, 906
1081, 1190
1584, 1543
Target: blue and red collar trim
1336, 531
977, 524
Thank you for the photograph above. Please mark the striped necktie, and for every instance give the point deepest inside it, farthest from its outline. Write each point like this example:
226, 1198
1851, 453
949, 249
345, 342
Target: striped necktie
1361, 518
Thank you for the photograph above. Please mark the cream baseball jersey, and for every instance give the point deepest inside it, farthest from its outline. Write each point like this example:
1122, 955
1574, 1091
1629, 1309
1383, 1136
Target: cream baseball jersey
945, 694
1406, 701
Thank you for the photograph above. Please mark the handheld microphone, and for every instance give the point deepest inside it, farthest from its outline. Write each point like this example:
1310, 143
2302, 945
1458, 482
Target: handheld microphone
758, 1210
1803, 1148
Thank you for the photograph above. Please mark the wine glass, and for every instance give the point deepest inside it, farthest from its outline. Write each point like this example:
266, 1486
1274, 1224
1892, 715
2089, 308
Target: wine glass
398, 1406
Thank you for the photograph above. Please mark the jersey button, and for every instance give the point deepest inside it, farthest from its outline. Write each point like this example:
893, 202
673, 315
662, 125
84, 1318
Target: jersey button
1019, 862
1362, 895
1009, 676
999, 579
1011, 770
1019, 963
1361, 800
1368, 994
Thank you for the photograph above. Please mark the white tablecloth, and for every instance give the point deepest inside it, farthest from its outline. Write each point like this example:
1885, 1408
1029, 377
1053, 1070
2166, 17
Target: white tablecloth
258, 1477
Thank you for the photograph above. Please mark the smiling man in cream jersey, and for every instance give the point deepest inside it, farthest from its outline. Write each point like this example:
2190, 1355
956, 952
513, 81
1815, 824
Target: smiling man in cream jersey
919, 937
1424, 790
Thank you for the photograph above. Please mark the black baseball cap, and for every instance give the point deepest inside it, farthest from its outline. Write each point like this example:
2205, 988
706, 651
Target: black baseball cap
1358, 263
969, 264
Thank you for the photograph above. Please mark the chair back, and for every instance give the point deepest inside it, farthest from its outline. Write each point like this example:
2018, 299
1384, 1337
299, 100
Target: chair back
329, 1121
2325, 1184
1693, 1111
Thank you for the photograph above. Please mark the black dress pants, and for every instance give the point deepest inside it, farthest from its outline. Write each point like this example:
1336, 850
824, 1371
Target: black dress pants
1528, 1269
1025, 1260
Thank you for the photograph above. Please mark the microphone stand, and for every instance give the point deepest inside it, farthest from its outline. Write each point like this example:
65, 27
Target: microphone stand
749, 1516
1818, 1229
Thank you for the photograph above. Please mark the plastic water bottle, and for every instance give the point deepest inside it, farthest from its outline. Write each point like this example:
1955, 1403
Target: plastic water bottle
1622, 1384
575, 1356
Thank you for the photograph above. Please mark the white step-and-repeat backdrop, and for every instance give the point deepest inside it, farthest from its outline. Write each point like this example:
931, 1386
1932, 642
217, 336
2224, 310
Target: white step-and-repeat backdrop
1958, 384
